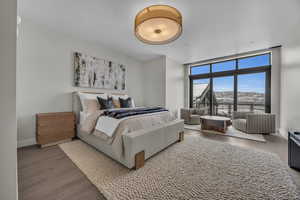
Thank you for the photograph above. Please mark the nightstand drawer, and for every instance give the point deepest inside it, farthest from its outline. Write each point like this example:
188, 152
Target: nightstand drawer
54, 131
55, 121
60, 126
55, 137
54, 127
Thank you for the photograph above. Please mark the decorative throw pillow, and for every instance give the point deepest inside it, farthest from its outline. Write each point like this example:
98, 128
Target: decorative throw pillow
91, 105
88, 124
126, 103
122, 96
106, 103
85, 104
116, 99
116, 103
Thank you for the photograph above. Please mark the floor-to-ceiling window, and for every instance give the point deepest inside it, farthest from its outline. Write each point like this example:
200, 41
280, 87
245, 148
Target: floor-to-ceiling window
223, 89
251, 95
201, 97
241, 84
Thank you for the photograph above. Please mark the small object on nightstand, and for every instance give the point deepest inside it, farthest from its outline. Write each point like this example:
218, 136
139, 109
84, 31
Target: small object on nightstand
54, 128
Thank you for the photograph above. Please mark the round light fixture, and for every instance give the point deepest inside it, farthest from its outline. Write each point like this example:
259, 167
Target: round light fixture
158, 24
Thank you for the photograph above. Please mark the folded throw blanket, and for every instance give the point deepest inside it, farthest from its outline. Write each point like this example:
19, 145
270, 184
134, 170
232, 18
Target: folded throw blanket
119, 114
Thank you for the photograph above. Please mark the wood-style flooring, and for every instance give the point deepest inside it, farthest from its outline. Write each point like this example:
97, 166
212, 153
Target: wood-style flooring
48, 174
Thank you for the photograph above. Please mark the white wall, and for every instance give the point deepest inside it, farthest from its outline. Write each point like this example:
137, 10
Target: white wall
154, 80
45, 65
276, 85
8, 142
174, 85
290, 87
164, 83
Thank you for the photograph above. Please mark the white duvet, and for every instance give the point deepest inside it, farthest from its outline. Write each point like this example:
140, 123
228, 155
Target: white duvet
108, 125
111, 130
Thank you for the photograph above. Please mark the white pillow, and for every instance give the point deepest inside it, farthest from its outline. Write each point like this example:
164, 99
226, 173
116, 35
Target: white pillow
132, 102
82, 117
83, 96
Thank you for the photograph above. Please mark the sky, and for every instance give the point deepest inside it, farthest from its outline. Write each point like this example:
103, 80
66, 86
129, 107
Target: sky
246, 83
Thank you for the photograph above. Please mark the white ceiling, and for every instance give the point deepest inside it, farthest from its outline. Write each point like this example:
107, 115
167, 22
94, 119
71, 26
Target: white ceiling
212, 28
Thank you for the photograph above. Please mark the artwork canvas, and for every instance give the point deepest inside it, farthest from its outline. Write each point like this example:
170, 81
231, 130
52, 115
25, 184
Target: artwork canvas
92, 72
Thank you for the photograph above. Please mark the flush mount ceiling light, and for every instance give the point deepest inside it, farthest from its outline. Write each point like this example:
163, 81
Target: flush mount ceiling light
158, 24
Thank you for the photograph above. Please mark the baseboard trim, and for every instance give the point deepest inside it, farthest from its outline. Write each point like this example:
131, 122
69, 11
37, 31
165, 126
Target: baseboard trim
27, 142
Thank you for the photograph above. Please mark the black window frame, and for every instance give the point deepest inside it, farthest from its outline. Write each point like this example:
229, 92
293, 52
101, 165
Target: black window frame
234, 73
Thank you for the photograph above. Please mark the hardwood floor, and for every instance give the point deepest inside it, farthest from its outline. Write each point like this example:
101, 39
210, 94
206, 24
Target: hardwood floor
49, 174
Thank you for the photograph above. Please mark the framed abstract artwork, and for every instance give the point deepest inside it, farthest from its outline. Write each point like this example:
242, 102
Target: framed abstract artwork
92, 72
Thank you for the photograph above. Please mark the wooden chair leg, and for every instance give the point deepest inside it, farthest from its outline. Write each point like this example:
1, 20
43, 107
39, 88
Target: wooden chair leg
139, 159
181, 136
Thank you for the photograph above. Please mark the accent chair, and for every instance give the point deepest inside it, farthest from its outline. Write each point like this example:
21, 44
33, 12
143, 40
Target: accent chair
255, 123
191, 116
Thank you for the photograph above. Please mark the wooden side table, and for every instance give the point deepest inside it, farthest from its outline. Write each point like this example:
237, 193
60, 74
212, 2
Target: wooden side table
215, 123
54, 128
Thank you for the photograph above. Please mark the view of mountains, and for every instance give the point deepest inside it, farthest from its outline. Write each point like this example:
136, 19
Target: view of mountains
243, 97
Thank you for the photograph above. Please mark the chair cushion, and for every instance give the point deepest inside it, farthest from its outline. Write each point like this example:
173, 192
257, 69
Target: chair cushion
194, 120
240, 124
195, 116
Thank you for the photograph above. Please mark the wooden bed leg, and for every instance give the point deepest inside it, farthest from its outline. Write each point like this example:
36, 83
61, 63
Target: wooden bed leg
139, 159
181, 136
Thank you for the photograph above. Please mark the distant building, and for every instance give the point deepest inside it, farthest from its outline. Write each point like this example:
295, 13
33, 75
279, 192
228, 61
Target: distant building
201, 100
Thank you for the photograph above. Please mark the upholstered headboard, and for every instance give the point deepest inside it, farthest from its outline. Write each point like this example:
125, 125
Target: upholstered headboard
76, 104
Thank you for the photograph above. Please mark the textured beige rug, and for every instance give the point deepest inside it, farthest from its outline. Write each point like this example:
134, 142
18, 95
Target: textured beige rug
194, 169
231, 132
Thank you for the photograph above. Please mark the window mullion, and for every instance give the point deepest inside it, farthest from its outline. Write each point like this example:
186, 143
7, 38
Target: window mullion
211, 92
235, 86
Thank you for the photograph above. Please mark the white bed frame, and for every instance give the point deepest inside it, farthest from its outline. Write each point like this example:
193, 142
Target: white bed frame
139, 145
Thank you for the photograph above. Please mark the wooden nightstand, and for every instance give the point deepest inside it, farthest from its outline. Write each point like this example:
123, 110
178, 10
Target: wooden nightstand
54, 128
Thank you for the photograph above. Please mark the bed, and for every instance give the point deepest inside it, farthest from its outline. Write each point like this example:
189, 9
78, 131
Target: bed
130, 146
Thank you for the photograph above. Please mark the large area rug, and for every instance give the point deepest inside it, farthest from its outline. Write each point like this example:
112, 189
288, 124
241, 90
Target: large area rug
231, 132
196, 168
